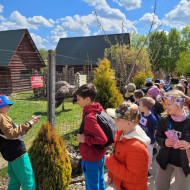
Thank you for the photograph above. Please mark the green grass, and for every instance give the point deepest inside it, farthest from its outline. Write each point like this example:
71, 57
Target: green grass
3, 172
67, 122
25, 105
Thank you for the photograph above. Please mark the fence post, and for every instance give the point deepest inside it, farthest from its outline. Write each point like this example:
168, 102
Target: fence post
51, 87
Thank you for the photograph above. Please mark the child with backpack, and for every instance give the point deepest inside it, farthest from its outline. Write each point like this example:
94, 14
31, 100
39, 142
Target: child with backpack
93, 156
128, 164
149, 124
13, 149
173, 136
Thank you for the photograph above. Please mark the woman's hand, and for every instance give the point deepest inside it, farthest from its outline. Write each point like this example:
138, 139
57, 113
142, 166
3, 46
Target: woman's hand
169, 143
183, 144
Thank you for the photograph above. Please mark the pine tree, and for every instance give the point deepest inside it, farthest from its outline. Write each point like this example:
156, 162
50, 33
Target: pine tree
50, 161
104, 79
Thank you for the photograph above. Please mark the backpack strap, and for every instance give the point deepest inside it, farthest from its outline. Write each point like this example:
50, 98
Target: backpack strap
81, 129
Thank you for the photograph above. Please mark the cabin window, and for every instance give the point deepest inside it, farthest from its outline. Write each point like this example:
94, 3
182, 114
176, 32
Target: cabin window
25, 74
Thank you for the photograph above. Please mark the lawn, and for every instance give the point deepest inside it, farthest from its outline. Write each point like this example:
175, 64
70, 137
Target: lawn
67, 122
25, 105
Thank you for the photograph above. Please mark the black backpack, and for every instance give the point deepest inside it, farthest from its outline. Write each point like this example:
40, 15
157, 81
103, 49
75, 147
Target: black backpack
106, 123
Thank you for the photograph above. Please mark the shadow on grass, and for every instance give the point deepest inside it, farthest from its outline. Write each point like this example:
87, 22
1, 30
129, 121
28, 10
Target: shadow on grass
40, 113
71, 139
33, 99
62, 111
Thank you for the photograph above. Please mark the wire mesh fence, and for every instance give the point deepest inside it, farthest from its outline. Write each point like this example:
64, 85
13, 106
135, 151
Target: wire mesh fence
16, 71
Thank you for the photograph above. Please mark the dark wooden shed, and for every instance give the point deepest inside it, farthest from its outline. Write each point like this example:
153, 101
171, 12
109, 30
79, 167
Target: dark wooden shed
18, 58
79, 51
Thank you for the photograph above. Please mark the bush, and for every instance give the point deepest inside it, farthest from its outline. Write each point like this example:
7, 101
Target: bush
139, 79
50, 161
104, 79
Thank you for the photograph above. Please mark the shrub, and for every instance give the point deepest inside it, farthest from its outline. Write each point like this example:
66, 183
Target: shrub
50, 161
140, 78
104, 80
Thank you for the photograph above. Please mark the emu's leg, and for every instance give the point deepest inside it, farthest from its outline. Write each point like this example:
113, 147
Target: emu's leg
63, 108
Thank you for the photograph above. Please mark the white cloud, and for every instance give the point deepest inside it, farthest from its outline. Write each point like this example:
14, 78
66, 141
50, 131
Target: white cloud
84, 25
1, 8
40, 21
9, 25
38, 40
2, 18
104, 10
148, 18
109, 18
56, 34
129, 4
179, 16
96, 3
75, 25
2, 28
20, 21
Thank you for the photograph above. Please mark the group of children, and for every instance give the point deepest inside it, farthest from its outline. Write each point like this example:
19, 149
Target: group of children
143, 119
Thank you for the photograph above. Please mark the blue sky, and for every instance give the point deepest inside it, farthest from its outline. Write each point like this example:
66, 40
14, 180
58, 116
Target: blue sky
47, 21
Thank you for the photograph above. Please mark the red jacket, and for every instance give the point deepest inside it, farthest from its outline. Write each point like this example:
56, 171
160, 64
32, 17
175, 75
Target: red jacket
94, 135
128, 166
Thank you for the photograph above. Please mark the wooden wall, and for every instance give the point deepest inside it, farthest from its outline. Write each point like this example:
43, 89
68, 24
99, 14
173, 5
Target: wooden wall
22, 63
5, 82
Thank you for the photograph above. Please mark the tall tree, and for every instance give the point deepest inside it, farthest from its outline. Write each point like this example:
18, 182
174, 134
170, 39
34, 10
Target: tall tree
185, 38
158, 50
137, 40
43, 53
173, 50
183, 63
123, 59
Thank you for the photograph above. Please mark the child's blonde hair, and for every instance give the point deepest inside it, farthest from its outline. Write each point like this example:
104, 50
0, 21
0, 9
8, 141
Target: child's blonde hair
147, 102
177, 94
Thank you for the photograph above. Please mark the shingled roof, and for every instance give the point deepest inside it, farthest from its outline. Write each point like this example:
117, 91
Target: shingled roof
77, 50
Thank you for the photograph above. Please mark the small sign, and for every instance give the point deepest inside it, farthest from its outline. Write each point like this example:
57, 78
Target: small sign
82, 80
37, 81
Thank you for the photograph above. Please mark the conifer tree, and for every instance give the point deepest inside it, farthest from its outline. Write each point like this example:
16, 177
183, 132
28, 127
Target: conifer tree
50, 161
104, 80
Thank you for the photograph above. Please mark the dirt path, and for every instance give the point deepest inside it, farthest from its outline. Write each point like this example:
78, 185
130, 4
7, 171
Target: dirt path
80, 185
3, 163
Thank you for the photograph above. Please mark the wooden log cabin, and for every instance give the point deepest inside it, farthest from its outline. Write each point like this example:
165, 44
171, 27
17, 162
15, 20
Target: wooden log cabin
19, 57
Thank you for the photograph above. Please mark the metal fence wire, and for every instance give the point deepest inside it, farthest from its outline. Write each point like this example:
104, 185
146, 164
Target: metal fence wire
16, 84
